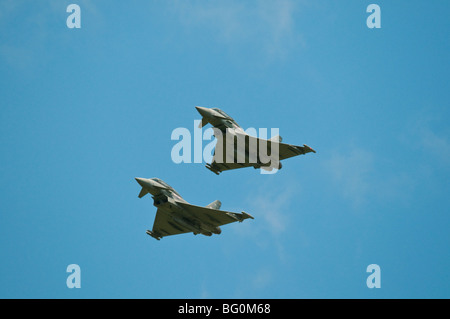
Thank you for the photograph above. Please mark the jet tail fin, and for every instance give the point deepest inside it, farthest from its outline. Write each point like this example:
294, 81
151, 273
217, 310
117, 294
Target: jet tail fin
143, 192
214, 205
276, 138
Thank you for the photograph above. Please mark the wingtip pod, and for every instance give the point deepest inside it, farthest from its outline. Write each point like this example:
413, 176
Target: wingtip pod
309, 148
245, 216
152, 234
240, 217
212, 169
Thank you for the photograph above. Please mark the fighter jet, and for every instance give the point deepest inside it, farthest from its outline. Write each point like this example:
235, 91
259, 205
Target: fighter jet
237, 149
176, 216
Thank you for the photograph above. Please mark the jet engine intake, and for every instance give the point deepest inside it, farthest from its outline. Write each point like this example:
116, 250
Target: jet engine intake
269, 168
162, 199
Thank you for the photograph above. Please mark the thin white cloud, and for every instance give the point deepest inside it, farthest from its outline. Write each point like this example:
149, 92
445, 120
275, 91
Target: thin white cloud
434, 143
351, 172
18, 57
262, 278
427, 133
270, 204
360, 177
7, 7
268, 25
272, 208
204, 292
29, 33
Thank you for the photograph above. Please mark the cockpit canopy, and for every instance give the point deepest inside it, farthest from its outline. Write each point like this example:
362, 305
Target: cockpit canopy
160, 181
225, 115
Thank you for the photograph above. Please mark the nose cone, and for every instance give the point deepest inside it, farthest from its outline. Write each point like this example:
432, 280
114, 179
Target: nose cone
144, 182
203, 111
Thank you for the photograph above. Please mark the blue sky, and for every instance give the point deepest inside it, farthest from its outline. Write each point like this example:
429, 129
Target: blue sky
84, 111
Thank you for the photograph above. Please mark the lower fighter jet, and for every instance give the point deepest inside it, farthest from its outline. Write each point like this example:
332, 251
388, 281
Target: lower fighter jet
176, 216
237, 149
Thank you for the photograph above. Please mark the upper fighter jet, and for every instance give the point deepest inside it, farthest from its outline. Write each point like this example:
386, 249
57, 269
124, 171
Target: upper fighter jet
176, 216
242, 150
